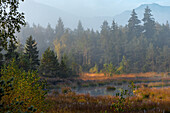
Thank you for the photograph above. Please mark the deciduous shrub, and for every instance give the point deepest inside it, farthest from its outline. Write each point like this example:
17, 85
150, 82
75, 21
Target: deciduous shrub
26, 86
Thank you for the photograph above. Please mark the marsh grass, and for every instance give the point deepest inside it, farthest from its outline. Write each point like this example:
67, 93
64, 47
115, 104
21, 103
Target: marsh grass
155, 101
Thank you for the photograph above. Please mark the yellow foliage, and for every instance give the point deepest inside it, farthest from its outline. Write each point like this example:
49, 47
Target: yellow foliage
82, 100
26, 87
120, 68
57, 46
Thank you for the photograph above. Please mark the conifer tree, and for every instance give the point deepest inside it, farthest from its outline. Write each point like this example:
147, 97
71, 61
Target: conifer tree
150, 57
64, 71
49, 35
31, 53
133, 25
49, 66
11, 53
105, 41
114, 27
80, 29
149, 23
59, 30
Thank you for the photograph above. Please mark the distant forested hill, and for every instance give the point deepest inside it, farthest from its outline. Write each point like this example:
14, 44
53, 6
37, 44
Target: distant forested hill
160, 13
43, 14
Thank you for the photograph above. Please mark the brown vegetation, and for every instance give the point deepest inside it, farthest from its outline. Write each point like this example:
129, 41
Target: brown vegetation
145, 99
101, 76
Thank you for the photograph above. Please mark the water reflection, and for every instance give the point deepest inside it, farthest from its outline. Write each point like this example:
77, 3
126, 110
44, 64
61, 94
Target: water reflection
101, 91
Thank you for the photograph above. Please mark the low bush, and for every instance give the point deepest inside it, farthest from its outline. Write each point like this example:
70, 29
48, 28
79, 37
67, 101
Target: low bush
26, 88
111, 88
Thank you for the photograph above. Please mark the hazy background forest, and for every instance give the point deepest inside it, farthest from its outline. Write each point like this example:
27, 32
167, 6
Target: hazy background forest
139, 46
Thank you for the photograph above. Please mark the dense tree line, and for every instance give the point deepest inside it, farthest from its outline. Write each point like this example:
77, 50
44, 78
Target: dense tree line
143, 44
27, 58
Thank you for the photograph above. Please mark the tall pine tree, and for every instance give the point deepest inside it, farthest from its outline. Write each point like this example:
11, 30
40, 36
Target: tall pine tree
64, 70
59, 30
133, 25
149, 23
105, 42
49, 35
49, 66
31, 53
80, 29
11, 53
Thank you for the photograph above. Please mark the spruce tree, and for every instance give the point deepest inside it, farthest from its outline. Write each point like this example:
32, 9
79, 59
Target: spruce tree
114, 27
105, 39
64, 71
133, 25
49, 66
80, 29
50, 36
31, 53
11, 53
149, 23
59, 30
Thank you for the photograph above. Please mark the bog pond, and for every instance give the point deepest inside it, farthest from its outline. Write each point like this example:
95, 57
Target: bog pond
108, 87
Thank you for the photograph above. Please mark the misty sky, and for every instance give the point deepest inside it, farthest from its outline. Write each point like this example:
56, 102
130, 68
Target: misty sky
99, 7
